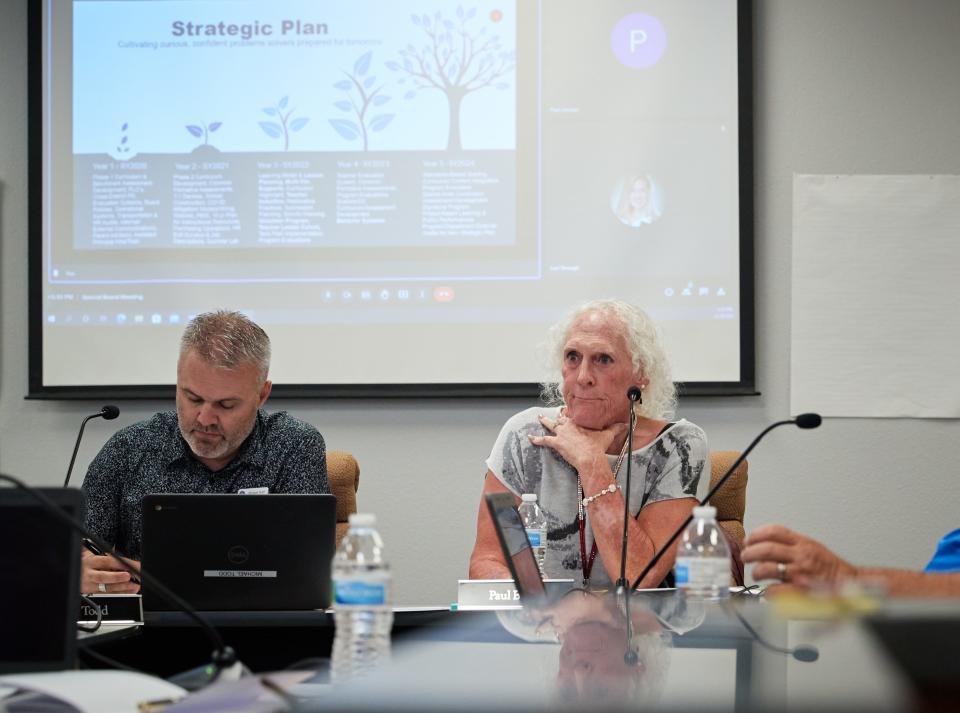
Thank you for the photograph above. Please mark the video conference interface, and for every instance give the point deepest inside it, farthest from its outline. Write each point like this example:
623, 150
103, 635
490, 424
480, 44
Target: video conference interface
377, 167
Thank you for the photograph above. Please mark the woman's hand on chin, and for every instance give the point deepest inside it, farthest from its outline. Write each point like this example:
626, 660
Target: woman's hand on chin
580, 447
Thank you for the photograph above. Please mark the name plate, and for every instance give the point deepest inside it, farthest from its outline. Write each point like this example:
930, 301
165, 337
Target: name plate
114, 609
248, 573
474, 594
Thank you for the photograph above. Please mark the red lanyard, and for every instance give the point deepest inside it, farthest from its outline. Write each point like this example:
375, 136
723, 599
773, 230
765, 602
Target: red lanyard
586, 565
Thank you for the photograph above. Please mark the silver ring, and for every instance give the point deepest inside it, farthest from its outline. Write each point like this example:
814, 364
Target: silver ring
102, 587
782, 571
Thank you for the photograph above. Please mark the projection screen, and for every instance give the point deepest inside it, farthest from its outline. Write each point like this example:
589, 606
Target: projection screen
404, 194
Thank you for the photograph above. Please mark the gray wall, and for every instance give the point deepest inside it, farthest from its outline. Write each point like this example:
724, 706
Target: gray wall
842, 86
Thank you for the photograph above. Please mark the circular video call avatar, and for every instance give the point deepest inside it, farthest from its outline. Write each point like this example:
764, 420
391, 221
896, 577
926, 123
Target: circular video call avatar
636, 200
638, 40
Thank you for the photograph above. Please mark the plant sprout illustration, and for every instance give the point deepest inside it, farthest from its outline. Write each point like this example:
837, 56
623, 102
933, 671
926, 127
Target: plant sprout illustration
122, 148
204, 130
457, 60
361, 98
286, 126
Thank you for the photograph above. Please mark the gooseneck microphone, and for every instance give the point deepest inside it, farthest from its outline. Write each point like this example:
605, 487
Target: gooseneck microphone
630, 656
107, 413
804, 420
633, 394
223, 656
801, 652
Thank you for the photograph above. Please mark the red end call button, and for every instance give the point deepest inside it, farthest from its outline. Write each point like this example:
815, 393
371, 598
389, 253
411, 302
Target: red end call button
443, 294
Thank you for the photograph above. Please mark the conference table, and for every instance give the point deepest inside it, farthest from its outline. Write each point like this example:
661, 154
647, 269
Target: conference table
745, 653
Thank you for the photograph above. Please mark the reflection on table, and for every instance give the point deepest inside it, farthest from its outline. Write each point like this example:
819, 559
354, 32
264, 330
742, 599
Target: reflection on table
571, 655
690, 655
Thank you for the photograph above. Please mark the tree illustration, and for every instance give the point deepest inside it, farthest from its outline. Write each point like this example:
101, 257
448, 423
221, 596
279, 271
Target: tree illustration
457, 60
123, 148
361, 97
286, 126
204, 130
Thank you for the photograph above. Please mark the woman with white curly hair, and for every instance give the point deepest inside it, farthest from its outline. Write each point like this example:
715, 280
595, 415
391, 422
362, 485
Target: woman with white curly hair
572, 454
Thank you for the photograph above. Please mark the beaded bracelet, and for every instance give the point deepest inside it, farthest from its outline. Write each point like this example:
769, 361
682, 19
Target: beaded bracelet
612, 488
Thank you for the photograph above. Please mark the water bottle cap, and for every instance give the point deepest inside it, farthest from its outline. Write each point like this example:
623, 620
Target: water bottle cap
529, 497
707, 512
362, 519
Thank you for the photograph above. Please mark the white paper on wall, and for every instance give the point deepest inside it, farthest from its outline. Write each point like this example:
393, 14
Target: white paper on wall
876, 296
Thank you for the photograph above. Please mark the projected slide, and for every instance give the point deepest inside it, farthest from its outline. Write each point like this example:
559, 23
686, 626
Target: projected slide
336, 126
400, 191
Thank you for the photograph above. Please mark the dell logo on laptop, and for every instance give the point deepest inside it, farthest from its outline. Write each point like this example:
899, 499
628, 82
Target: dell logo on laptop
238, 554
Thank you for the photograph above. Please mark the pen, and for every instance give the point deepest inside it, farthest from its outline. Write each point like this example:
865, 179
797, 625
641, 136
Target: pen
88, 543
157, 705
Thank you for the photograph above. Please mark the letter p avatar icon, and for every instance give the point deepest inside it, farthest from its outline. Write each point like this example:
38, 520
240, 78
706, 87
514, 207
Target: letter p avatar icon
638, 40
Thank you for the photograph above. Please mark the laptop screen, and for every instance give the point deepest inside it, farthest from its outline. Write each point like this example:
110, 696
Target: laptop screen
515, 545
39, 581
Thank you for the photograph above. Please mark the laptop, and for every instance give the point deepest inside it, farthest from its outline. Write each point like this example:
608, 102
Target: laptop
517, 551
240, 552
39, 581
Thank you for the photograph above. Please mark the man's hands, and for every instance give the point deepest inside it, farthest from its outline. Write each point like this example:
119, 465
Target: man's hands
104, 569
805, 561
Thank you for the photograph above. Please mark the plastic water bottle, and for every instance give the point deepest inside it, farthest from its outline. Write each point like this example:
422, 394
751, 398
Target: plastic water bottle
535, 523
362, 610
702, 569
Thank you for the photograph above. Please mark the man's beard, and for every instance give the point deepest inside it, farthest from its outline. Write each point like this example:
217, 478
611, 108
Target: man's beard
215, 449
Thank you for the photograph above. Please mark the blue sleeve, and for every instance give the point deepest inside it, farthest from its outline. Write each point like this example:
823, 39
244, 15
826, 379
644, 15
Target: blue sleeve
947, 556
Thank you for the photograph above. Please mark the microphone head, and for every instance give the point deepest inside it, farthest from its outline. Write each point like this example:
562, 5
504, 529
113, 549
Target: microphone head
634, 393
224, 657
630, 658
808, 420
805, 653
109, 412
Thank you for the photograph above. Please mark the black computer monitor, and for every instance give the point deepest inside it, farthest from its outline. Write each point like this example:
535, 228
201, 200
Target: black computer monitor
39, 581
